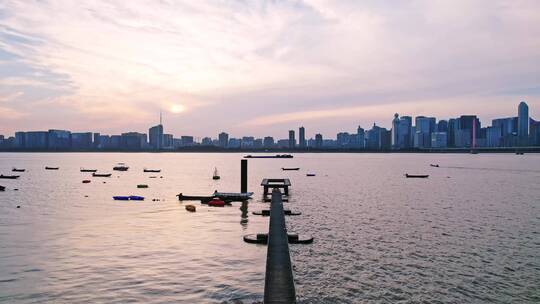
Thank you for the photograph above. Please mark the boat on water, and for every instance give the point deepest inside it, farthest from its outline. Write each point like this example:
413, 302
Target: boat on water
474, 151
120, 167
52, 168
101, 174
136, 198
86, 181
269, 156
519, 153
416, 175
233, 196
141, 186
216, 202
436, 165
9, 176
310, 174
2, 188
191, 208
17, 170
225, 196
121, 198
216, 174
152, 170
88, 170
290, 169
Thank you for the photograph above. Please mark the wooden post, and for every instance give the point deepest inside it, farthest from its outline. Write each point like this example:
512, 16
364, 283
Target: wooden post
243, 176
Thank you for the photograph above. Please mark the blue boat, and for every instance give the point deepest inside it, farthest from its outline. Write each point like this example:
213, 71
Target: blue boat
121, 198
136, 198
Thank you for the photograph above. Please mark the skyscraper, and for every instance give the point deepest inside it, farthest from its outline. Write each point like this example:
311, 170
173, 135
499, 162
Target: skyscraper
523, 123
318, 141
395, 132
292, 139
223, 139
302, 138
155, 135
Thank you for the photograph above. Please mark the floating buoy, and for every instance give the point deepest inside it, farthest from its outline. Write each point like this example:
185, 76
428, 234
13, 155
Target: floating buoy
191, 208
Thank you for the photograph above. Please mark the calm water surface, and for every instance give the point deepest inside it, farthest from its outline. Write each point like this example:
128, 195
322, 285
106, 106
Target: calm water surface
468, 234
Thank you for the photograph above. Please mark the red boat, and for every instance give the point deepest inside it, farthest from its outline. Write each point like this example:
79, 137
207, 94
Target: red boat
216, 202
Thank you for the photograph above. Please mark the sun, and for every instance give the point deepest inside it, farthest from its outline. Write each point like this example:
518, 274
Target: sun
177, 108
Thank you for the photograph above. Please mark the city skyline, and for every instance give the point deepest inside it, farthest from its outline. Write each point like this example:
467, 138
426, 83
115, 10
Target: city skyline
262, 66
422, 132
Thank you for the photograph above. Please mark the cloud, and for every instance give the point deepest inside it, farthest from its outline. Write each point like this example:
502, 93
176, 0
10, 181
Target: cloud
268, 60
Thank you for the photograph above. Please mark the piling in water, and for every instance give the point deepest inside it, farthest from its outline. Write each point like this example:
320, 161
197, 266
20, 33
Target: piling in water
279, 282
243, 176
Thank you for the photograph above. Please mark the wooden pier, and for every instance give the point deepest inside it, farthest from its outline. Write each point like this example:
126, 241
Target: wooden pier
279, 183
279, 282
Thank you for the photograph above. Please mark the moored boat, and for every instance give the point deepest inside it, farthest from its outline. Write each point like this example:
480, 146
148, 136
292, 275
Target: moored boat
9, 176
86, 181
290, 169
269, 156
310, 174
2, 188
121, 198
101, 174
416, 175
233, 196
52, 168
88, 170
17, 170
436, 165
142, 186
216, 202
120, 167
152, 170
136, 198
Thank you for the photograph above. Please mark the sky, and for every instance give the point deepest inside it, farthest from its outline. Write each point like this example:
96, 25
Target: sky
261, 68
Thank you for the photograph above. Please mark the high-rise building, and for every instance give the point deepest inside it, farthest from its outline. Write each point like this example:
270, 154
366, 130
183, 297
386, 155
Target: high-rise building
187, 141
59, 139
360, 138
424, 127
268, 142
223, 139
247, 142
168, 141
292, 139
133, 141
318, 141
36, 140
81, 140
442, 126
395, 132
20, 140
155, 135
302, 138
343, 139
523, 123
439, 140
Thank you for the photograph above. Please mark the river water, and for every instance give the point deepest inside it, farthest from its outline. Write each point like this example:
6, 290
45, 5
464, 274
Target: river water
470, 233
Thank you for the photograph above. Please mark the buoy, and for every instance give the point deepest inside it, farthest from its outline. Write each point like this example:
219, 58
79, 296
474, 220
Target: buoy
216, 202
191, 208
